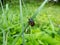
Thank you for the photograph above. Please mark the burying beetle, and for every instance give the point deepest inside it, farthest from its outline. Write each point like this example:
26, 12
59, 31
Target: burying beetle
31, 22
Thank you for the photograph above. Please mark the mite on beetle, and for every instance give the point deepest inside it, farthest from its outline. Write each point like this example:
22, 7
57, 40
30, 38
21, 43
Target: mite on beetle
31, 22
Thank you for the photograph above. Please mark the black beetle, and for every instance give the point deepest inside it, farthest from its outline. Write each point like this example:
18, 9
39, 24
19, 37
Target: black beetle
31, 22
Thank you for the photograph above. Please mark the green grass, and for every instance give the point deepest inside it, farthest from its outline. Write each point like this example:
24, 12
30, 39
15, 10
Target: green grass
40, 34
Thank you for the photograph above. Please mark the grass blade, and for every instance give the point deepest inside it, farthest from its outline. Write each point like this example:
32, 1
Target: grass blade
22, 26
4, 37
39, 9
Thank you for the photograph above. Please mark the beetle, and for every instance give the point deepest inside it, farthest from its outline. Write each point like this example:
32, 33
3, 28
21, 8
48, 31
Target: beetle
31, 22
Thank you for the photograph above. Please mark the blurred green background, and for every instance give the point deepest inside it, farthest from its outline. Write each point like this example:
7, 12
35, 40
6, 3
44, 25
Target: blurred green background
46, 30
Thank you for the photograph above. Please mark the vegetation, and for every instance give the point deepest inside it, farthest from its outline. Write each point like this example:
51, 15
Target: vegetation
14, 17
